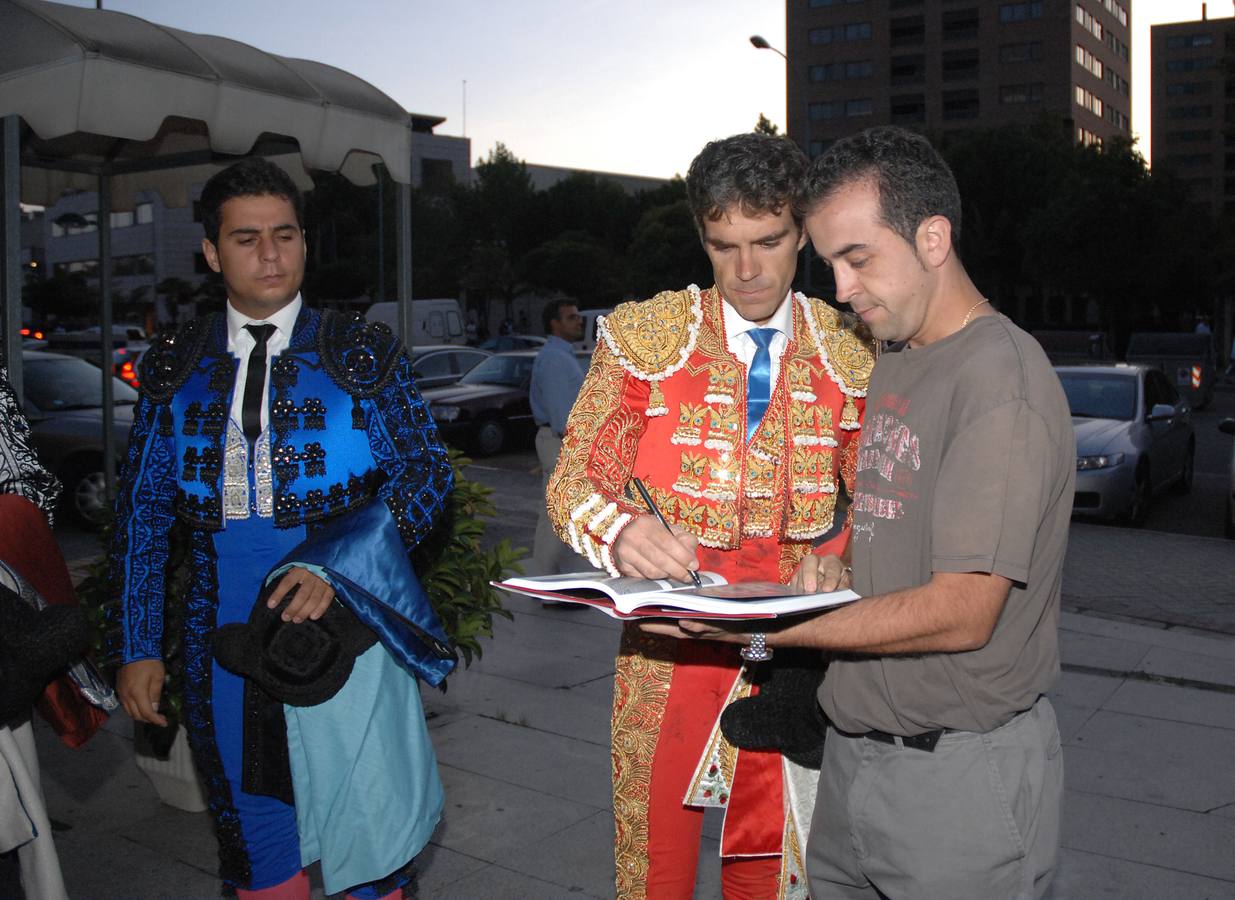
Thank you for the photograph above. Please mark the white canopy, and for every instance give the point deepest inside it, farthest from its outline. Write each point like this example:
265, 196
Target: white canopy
104, 92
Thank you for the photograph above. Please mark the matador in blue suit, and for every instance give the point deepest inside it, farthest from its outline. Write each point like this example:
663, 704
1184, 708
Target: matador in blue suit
294, 449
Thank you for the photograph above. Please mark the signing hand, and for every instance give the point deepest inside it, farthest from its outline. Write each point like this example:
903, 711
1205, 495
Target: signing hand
646, 549
311, 600
139, 687
819, 574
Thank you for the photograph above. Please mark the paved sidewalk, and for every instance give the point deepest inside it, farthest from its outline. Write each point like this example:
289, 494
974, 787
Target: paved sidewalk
1147, 715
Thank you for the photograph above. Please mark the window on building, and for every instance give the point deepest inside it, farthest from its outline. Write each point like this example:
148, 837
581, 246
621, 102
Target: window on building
1200, 64
1089, 62
1088, 100
858, 107
907, 69
908, 109
122, 218
842, 71
1117, 10
835, 34
1118, 118
87, 267
822, 111
907, 30
1191, 135
1178, 41
1118, 47
1185, 160
1086, 20
1087, 138
1020, 12
1197, 111
960, 24
960, 65
1014, 94
960, 104
1117, 82
71, 223
1189, 88
818, 148
1027, 51
145, 213
139, 264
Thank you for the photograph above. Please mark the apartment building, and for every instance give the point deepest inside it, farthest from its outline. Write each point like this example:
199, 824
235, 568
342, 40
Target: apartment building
1193, 97
940, 66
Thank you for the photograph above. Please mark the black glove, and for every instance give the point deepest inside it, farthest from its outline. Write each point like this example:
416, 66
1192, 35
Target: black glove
34, 646
785, 714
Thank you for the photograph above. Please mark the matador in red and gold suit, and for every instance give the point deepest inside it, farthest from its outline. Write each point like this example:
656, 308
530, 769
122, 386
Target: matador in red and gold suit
665, 401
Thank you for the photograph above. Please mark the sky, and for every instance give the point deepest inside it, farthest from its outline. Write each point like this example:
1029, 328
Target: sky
631, 86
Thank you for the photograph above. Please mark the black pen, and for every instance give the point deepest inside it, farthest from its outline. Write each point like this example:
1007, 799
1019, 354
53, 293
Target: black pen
651, 504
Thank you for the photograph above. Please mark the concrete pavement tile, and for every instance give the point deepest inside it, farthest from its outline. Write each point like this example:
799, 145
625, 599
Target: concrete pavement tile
1185, 664
548, 653
541, 761
1177, 704
1081, 648
1089, 876
1171, 764
1132, 833
175, 834
1159, 637
496, 882
494, 820
579, 857
1076, 697
581, 712
438, 867
98, 868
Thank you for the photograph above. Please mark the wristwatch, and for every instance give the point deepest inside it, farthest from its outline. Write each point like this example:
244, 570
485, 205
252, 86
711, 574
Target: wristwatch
758, 649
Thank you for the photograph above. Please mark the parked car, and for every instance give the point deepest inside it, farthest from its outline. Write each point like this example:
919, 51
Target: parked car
488, 408
63, 399
435, 365
438, 320
1227, 426
1187, 358
1133, 437
590, 320
505, 342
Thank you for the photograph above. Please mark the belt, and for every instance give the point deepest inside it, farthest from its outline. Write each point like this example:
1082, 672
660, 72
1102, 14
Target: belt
924, 741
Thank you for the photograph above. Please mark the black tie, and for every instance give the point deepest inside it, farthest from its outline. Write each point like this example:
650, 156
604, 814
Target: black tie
255, 382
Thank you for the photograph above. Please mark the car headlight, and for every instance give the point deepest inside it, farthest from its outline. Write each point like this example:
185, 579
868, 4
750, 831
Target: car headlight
1104, 461
444, 413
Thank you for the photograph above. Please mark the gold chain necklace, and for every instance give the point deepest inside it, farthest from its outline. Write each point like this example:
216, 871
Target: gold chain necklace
965, 321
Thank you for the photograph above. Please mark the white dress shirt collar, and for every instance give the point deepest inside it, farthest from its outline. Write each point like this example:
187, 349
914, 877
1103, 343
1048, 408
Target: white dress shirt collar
284, 321
782, 320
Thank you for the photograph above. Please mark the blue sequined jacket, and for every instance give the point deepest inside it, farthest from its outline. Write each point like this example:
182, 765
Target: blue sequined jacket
346, 426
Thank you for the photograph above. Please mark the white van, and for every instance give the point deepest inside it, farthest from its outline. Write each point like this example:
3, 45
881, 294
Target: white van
437, 321
590, 317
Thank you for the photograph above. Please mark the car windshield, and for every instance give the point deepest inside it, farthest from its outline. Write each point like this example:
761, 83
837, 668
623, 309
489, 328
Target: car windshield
1094, 395
508, 371
69, 383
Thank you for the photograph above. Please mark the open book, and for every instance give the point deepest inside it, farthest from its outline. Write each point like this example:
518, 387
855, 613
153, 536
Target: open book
634, 598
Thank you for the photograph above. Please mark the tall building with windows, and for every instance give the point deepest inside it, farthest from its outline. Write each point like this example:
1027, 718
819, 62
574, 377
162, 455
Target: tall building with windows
1193, 97
943, 65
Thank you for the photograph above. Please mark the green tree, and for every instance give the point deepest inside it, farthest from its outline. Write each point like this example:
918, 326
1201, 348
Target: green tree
766, 126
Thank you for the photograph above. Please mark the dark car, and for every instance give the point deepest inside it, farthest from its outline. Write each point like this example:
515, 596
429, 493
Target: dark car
1070, 348
63, 399
488, 408
435, 365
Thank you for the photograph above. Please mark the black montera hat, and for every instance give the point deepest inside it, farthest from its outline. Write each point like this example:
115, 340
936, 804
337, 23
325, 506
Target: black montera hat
300, 664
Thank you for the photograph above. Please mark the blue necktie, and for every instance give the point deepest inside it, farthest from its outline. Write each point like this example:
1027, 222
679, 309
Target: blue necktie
758, 379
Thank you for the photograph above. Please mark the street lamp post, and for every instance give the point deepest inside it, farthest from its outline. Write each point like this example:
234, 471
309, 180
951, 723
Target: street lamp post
759, 42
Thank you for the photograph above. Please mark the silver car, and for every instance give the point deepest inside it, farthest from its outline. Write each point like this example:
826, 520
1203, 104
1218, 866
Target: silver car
63, 399
1133, 437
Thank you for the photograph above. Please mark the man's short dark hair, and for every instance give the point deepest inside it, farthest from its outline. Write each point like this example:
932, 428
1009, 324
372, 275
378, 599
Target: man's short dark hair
913, 181
756, 173
553, 311
251, 177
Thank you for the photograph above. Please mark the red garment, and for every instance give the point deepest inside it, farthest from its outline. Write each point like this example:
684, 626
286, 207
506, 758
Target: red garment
28, 545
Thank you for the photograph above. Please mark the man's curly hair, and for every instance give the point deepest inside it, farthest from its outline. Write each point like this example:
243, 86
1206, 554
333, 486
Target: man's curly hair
756, 173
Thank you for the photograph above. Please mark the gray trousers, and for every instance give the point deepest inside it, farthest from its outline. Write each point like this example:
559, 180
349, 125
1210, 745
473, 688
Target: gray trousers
550, 556
976, 819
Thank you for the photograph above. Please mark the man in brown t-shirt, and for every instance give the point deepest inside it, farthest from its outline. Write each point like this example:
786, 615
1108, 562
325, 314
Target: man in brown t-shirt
942, 773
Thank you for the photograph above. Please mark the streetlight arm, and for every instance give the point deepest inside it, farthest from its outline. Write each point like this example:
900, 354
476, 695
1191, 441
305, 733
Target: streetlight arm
760, 43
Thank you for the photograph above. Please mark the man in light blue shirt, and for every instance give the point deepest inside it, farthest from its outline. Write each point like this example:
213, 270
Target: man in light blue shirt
556, 379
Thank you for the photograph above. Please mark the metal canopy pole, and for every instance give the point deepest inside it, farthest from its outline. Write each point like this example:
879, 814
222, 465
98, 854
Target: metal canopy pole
105, 339
403, 233
10, 243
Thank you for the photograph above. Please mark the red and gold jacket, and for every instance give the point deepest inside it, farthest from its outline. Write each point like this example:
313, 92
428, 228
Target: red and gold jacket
664, 400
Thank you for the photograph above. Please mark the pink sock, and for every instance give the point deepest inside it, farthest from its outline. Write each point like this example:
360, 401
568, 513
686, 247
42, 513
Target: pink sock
295, 888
